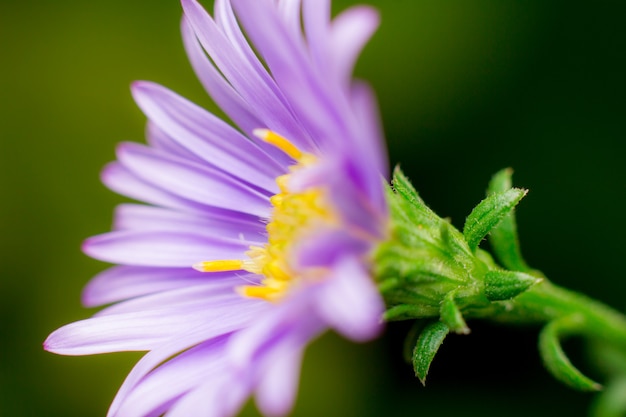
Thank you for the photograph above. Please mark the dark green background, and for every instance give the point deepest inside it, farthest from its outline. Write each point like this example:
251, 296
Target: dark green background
465, 87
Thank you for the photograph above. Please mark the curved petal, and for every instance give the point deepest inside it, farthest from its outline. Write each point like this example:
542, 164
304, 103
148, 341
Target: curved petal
238, 318
192, 181
206, 136
226, 97
165, 384
350, 302
276, 391
121, 180
290, 11
160, 140
220, 395
166, 248
247, 82
118, 333
126, 327
123, 282
370, 134
316, 18
210, 299
290, 320
230, 225
226, 20
349, 33
316, 100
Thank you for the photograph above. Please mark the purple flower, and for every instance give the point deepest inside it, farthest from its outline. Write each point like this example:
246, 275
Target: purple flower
255, 239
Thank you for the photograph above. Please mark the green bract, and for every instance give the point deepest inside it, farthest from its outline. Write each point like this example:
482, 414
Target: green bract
430, 272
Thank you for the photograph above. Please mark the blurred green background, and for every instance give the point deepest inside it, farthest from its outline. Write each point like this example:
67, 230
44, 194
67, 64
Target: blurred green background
465, 88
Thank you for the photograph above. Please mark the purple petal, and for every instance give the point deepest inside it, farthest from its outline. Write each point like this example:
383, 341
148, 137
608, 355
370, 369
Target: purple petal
161, 387
238, 318
207, 136
220, 395
160, 140
290, 11
316, 17
121, 180
226, 97
230, 225
246, 80
123, 282
169, 249
349, 194
192, 181
324, 248
290, 319
125, 332
226, 20
315, 98
212, 297
350, 302
370, 140
129, 327
278, 386
350, 31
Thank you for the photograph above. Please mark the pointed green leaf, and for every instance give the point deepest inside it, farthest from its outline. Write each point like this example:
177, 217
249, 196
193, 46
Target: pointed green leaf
501, 181
503, 238
404, 187
451, 315
427, 346
555, 359
411, 204
504, 285
411, 339
488, 213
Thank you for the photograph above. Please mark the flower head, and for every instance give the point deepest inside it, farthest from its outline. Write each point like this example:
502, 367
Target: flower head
256, 238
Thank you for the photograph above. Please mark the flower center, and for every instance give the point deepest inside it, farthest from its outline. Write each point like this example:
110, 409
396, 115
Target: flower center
293, 215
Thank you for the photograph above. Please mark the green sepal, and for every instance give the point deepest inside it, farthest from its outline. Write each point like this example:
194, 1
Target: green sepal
504, 285
488, 213
403, 186
411, 339
409, 311
451, 315
503, 238
555, 359
426, 347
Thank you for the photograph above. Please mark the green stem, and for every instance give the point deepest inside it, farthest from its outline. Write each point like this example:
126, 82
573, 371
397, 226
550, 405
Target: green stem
546, 302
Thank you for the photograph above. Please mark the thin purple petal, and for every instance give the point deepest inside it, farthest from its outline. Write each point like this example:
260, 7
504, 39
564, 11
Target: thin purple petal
350, 302
165, 248
191, 181
206, 136
123, 282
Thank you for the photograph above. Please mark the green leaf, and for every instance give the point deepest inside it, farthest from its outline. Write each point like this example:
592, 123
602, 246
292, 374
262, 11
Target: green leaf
411, 339
404, 187
503, 238
504, 285
451, 315
427, 346
555, 359
488, 213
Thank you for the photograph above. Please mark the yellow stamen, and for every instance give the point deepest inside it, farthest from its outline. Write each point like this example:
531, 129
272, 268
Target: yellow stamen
293, 214
282, 182
263, 292
219, 266
276, 270
278, 141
